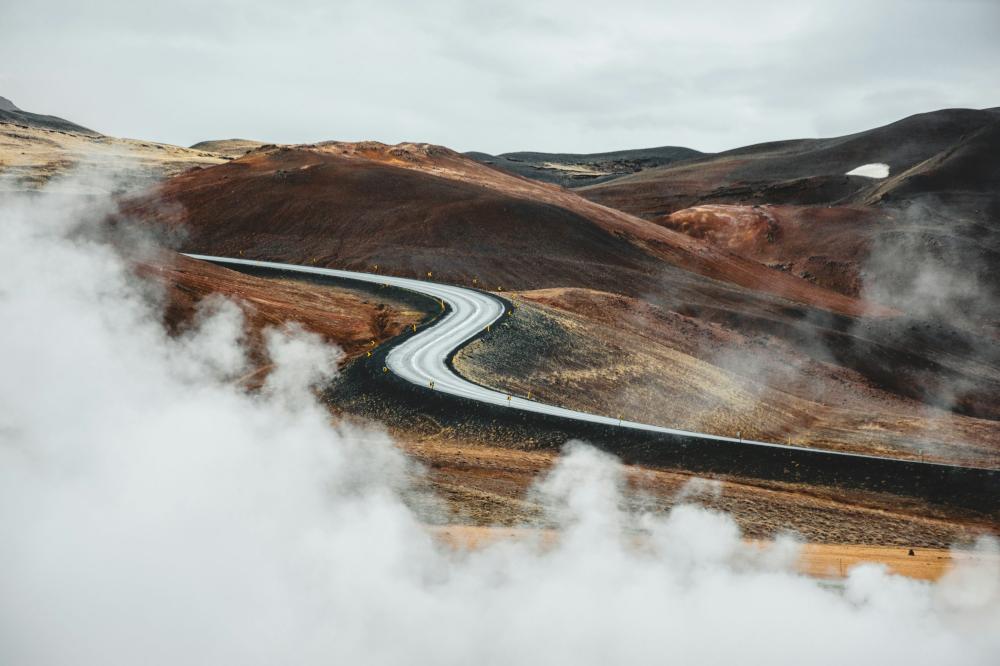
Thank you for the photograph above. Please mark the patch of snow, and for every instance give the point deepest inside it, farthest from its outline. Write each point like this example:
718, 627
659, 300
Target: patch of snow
874, 170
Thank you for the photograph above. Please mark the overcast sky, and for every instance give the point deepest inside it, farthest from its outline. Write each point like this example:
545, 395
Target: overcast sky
567, 75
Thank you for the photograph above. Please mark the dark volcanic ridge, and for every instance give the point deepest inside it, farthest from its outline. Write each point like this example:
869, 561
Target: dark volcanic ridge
573, 170
10, 113
801, 171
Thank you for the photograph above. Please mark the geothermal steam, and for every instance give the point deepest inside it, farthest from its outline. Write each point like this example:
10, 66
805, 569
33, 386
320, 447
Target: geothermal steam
153, 512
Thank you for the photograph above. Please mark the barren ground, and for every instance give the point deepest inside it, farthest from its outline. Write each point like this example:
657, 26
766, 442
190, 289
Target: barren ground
488, 486
622, 357
350, 318
819, 560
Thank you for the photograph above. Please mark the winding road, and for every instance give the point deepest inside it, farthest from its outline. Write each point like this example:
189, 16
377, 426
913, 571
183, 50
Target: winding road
422, 361
423, 358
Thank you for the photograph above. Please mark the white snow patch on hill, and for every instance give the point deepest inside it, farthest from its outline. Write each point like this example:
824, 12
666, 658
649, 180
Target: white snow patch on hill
874, 170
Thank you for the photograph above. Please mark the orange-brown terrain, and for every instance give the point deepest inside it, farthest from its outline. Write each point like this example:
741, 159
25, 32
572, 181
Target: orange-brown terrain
351, 319
822, 244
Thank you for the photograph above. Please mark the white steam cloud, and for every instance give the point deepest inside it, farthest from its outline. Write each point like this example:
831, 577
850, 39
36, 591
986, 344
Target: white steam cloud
152, 512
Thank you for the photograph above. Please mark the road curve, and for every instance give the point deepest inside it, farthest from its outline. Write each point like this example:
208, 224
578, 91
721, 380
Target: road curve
423, 359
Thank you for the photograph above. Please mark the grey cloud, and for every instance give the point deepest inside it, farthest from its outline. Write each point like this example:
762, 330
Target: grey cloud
578, 76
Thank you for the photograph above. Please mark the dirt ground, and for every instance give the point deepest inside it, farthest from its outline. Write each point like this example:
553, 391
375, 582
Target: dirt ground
488, 486
819, 560
355, 320
623, 357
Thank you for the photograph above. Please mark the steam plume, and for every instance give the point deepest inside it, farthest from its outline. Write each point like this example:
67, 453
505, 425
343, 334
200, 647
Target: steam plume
153, 512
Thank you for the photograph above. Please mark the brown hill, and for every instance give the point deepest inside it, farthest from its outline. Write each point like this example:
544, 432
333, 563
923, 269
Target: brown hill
415, 209
613, 355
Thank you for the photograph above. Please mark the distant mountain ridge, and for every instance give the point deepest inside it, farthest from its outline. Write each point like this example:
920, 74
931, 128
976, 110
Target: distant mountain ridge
10, 113
227, 147
575, 169
792, 168
797, 171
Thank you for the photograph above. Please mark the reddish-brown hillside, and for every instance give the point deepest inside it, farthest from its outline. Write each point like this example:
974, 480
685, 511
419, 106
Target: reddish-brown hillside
418, 209
825, 245
345, 317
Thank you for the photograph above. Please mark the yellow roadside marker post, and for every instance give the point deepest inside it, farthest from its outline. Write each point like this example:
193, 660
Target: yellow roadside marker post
385, 369
430, 274
369, 354
414, 327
